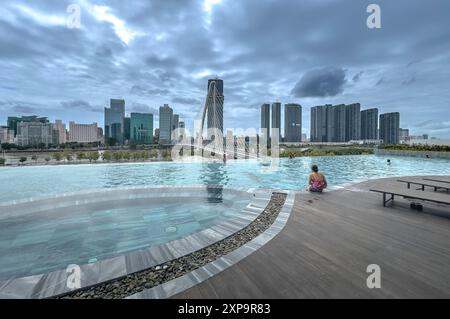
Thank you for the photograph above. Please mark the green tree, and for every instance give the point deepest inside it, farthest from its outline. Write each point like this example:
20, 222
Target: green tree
23, 159
2, 161
153, 154
166, 155
144, 155
136, 156
106, 156
68, 156
47, 159
93, 156
118, 155
81, 156
34, 158
57, 156
126, 155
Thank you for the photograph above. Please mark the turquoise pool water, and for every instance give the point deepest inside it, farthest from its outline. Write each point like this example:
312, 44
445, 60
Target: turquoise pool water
26, 182
43, 240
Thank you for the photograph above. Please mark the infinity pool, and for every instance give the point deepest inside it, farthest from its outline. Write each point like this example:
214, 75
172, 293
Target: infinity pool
47, 235
25, 182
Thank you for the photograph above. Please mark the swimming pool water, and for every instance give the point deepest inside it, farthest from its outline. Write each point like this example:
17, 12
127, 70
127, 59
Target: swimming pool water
51, 239
25, 182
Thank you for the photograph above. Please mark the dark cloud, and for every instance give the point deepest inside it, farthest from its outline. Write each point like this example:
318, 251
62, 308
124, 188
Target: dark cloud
409, 81
148, 91
357, 76
81, 105
186, 100
163, 51
324, 82
141, 108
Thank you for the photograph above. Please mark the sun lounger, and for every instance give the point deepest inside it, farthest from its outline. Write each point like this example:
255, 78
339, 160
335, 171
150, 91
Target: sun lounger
391, 191
425, 183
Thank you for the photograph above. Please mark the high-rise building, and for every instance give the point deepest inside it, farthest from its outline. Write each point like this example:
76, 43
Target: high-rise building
83, 133
141, 128
156, 137
181, 131
115, 122
100, 135
14, 120
175, 121
59, 132
319, 123
276, 117
369, 124
338, 123
390, 128
215, 101
403, 135
6, 135
292, 123
265, 122
127, 128
34, 133
337, 132
265, 116
165, 124
353, 122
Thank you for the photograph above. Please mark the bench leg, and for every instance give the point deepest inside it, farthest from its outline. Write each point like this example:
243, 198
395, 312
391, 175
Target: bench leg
385, 201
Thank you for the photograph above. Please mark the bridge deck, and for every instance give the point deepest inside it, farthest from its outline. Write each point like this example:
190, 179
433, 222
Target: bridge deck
330, 240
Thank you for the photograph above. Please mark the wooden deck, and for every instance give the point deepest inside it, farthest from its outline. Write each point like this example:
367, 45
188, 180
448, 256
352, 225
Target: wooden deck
329, 241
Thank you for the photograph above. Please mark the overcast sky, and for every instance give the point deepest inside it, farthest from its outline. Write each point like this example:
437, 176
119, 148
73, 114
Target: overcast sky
152, 52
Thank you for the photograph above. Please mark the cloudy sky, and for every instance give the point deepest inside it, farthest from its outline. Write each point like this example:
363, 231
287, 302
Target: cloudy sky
152, 52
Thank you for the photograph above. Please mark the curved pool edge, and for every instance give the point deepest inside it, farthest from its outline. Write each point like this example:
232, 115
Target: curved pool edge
197, 276
55, 283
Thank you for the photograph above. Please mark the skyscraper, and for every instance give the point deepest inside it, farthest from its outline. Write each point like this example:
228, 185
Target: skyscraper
337, 131
276, 117
59, 132
265, 122
114, 121
319, 123
369, 124
165, 124
390, 128
292, 123
353, 122
339, 123
141, 128
215, 101
265, 116
127, 128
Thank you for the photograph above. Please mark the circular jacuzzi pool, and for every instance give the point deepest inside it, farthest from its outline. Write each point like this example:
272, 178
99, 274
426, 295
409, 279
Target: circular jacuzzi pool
45, 235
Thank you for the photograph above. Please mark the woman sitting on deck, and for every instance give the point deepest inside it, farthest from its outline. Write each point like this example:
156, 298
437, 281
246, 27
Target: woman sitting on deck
317, 181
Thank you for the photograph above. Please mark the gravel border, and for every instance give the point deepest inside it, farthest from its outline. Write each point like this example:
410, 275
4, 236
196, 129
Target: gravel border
155, 276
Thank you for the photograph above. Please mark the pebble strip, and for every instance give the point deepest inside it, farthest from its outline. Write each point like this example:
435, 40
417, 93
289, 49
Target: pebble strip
133, 283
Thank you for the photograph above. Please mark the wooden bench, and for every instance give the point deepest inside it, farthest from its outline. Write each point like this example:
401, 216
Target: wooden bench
437, 198
440, 179
425, 183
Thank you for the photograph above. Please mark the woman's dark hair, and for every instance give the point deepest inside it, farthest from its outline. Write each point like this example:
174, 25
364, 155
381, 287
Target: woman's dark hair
314, 168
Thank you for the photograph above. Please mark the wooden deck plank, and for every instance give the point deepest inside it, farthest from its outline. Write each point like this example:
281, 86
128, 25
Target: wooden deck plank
329, 241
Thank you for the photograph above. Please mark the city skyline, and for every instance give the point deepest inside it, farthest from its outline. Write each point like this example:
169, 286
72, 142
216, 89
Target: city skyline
70, 74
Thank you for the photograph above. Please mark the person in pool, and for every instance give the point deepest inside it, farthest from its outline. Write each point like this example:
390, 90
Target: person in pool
317, 181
